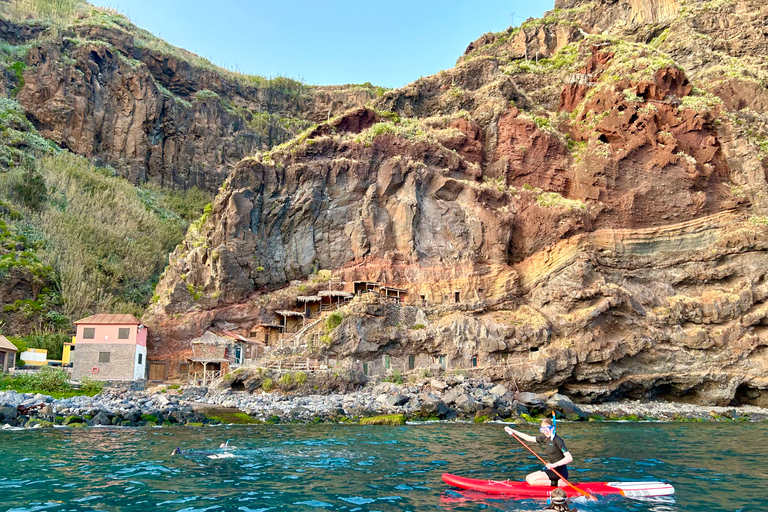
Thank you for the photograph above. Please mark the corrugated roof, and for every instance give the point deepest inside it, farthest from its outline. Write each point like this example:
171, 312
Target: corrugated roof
104, 318
7, 345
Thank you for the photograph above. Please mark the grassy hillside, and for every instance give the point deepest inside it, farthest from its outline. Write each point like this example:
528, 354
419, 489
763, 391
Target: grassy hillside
88, 240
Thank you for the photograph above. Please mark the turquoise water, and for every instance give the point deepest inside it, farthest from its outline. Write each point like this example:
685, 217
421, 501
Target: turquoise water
714, 467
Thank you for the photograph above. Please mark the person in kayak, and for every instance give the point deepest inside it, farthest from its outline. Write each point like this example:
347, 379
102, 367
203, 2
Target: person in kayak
558, 502
558, 454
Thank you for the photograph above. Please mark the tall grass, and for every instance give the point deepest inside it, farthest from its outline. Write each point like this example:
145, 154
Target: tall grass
107, 242
54, 10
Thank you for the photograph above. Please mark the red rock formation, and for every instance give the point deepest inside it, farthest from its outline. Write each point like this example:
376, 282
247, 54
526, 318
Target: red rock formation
591, 217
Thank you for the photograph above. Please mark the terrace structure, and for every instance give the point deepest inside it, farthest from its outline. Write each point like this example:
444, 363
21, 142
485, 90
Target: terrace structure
361, 287
390, 292
333, 299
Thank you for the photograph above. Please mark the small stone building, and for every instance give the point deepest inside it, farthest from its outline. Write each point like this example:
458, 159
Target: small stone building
7, 355
110, 347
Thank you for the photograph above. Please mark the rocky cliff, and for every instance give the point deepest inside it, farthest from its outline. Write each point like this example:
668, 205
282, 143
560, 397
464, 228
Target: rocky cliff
98, 85
579, 204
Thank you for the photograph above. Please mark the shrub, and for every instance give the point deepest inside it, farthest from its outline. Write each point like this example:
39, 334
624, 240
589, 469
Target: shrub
286, 380
300, 378
51, 379
266, 385
91, 387
396, 377
333, 321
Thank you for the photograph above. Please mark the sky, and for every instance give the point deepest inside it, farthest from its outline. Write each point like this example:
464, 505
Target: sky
328, 42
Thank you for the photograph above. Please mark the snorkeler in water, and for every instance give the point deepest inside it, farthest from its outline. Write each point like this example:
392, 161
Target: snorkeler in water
558, 502
211, 454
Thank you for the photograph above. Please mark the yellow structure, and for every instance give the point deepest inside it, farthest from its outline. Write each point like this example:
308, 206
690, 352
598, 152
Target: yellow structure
67, 355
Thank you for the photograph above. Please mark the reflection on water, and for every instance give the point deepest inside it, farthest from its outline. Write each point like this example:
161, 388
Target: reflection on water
714, 467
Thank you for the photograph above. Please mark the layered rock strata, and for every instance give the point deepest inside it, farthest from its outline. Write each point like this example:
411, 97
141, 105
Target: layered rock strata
103, 88
571, 207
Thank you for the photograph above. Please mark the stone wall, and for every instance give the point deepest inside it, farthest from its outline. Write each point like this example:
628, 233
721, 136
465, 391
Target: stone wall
122, 359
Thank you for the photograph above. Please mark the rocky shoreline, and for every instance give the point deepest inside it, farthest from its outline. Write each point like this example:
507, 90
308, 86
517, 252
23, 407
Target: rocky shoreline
454, 398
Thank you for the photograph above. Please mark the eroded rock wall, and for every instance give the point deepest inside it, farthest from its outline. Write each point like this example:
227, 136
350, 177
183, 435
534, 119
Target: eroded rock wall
153, 115
571, 209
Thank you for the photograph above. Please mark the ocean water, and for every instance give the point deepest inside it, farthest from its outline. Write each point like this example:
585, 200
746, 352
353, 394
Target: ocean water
713, 466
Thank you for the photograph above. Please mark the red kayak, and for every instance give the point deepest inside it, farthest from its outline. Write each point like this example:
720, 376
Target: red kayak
524, 490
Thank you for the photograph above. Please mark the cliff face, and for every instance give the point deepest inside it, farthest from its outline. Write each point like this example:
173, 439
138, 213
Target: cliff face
577, 199
103, 88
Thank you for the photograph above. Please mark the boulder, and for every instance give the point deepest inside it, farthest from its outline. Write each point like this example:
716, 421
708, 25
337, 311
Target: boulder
466, 404
397, 400
498, 390
8, 412
101, 418
438, 385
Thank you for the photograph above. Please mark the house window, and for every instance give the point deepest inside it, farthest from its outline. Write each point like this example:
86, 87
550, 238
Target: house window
386, 362
89, 333
252, 334
184, 368
103, 357
123, 333
456, 297
141, 358
474, 362
411, 362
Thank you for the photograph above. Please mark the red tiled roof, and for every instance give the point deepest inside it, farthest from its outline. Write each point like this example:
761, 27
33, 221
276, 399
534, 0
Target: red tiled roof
7, 345
109, 319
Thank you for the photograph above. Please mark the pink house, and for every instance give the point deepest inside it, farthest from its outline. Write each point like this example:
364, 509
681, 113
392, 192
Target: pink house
110, 347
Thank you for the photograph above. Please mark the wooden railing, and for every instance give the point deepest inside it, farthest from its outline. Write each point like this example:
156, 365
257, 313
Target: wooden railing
309, 367
206, 376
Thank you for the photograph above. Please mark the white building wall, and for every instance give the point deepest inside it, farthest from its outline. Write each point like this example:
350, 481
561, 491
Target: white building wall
140, 370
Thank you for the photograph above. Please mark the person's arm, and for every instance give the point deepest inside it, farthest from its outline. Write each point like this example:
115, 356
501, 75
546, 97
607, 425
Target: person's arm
519, 434
567, 459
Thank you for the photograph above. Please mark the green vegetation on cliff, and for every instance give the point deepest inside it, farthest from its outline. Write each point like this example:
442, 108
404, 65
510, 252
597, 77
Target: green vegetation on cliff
85, 240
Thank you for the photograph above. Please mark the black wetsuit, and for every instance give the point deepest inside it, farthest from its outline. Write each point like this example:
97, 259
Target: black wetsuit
555, 451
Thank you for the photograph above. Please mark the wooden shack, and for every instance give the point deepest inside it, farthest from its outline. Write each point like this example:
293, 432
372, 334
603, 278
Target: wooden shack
390, 292
310, 304
266, 333
292, 321
361, 287
334, 299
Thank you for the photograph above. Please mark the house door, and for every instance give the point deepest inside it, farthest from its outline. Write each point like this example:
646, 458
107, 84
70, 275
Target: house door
239, 355
2, 361
156, 371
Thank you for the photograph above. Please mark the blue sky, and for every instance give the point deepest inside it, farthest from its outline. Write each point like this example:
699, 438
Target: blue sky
324, 42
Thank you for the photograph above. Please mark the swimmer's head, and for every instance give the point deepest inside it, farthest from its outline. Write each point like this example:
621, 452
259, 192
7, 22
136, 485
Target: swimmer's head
176, 451
558, 496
